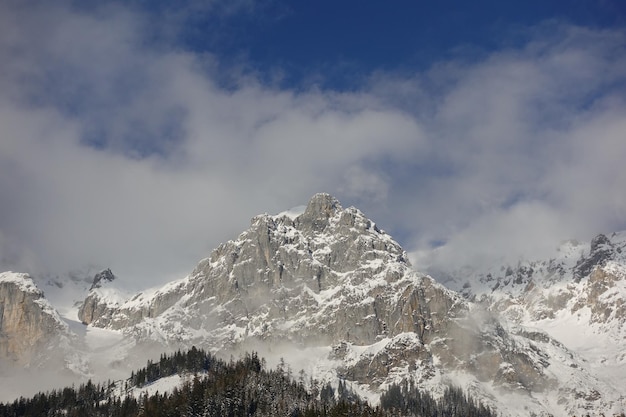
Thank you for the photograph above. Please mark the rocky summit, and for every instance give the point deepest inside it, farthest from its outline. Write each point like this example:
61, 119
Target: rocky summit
578, 298
326, 275
334, 295
29, 326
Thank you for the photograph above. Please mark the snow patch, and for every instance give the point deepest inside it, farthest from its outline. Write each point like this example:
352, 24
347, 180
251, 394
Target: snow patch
292, 213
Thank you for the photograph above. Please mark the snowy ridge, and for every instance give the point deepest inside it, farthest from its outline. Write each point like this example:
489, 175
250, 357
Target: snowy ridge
292, 213
326, 282
578, 298
23, 281
25, 284
334, 295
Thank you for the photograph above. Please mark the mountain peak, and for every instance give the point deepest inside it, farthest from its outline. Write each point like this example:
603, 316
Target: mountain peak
319, 210
322, 203
601, 251
323, 282
22, 281
101, 278
599, 240
29, 325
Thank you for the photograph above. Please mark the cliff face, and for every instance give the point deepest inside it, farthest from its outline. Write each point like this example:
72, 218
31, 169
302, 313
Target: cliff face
586, 280
28, 324
327, 279
324, 287
101, 300
327, 274
577, 300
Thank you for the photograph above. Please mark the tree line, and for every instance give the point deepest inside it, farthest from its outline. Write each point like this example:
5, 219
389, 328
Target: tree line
245, 387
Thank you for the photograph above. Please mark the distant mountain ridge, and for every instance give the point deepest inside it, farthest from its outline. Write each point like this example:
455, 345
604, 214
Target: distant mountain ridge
333, 294
584, 278
577, 297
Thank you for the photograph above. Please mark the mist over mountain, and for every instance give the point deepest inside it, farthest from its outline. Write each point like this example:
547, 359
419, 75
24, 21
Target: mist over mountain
324, 289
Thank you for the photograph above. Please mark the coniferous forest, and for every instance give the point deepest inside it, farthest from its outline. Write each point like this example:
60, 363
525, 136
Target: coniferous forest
214, 387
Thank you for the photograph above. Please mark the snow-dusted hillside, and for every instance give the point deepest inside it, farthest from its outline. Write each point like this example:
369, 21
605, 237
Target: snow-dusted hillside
27, 320
577, 297
324, 288
326, 284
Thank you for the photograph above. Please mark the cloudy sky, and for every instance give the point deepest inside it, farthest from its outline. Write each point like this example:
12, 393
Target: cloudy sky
139, 135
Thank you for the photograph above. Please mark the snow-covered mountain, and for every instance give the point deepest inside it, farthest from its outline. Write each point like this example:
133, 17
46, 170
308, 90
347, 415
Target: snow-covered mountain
30, 326
577, 297
324, 288
583, 279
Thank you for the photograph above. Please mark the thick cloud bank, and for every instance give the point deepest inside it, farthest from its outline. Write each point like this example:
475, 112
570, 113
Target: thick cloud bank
120, 152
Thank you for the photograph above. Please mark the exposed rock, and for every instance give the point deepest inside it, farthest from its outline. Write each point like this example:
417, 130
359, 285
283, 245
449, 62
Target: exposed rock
102, 277
601, 252
603, 294
28, 324
280, 264
582, 289
92, 309
330, 277
326, 280
102, 301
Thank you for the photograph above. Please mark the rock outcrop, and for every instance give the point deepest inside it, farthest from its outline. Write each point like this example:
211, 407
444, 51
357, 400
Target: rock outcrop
28, 324
577, 300
582, 277
601, 251
101, 301
325, 287
103, 277
329, 273
328, 278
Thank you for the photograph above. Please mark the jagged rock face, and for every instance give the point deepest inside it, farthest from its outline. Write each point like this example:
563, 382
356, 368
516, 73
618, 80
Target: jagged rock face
601, 251
582, 289
102, 300
583, 276
329, 277
326, 275
604, 295
94, 310
103, 277
27, 322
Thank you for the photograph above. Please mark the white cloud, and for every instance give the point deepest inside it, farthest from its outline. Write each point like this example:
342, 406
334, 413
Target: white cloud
149, 180
534, 137
365, 185
133, 157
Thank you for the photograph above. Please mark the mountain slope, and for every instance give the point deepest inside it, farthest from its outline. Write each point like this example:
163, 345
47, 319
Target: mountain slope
29, 325
324, 288
294, 278
195, 383
331, 292
577, 297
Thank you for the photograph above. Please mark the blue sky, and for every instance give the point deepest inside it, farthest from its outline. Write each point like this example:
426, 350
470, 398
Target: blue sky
338, 44
139, 135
